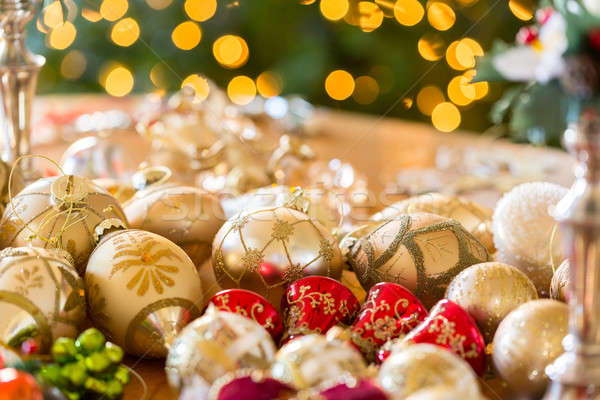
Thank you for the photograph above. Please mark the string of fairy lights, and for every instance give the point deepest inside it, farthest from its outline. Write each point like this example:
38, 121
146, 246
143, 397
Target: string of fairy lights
442, 105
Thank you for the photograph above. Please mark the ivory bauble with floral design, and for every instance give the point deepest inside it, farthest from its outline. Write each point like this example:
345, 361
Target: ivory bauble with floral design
422, 252
185, 215
264, 250
41, 295
142, 289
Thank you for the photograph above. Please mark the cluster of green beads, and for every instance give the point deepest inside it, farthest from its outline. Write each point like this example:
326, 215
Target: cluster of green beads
86, 367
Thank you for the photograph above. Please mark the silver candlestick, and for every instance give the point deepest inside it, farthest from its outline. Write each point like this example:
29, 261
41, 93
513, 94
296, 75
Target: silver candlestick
19, 69
576, 374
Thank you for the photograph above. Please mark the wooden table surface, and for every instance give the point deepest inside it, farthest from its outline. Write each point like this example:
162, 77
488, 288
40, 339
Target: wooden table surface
378, 148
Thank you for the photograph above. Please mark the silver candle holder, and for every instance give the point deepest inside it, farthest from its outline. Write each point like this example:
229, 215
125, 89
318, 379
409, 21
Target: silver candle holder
19, 70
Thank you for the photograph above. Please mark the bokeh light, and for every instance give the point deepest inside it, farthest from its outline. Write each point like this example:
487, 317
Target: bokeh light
159, 76
231, 51
370, 16
112, 10
334, 9
366, 90
307, 2
440, 15
200, 10
522, 9
241, 90
460, 91
408, 12
62, 36
428, 98
269, 84
119, 81
73, 64
339, 84
186, 35
90, 15
199, 85
125, 32
387, 6
52, 15
431, 46
481, 88
159, 4
445, 117
466, 51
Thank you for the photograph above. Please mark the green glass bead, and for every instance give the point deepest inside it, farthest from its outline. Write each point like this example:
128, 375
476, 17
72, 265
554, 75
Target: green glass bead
97, 362
114, 352
76, 373
114, 389
89, 341
71, 395
122, 375
95, 385
52, 374
63, 350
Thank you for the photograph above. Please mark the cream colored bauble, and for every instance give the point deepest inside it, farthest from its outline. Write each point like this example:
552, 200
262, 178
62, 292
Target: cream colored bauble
527, 341
559, 285
58, 212
311, 360
489, 291
215, 344
39, 288
142, 289
418, 367
440, 393
420, 251
525, 233
122, 191
474, 218
185, 215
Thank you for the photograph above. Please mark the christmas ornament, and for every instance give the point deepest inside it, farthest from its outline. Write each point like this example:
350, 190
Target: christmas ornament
316, 303
210, 286
156, 277
59, 212
352, 389
419, 367
527, 340
264, 250
526, 235
185, 215
488, 292
250, 305
449, 326
439, 393
119, 190
311, 360
420, 251
41, 296
250, 385
350, 280
390, 311
473, 217
560, 282
15, 384
17, 183
215, 344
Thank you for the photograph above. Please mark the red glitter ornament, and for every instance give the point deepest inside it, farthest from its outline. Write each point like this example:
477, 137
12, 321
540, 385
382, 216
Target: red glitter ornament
249, 385
15, 384
363, 390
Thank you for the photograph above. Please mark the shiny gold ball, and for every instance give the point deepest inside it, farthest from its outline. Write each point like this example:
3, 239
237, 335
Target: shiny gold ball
420, 251
39, 288
264, 250
419, 367
560, 282
475, 218
187, 216
489, 291
59, 212
215, 344
527, 340
311, 360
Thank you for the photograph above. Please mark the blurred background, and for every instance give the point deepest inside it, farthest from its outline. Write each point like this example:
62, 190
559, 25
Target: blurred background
409, 59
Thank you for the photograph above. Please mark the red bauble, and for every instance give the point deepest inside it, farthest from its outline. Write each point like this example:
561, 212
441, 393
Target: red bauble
251, 305
250, 386
594, 39
363, 390
316, 303
390, 311
15, 384
449, 325
527, 34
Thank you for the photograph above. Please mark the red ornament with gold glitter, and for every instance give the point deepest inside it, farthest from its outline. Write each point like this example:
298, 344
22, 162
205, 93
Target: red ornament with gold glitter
390, 311
251, 305
450, 326
15, 384
316, 303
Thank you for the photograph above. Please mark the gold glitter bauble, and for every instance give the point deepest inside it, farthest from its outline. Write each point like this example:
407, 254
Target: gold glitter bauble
142, 289
560, 282
527, 340
474, 217
187, 216
215, 344
266, 249
17, 183
418, 367
39, 288
121, 191
311, 360
58, 212
489, 291
420, 251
